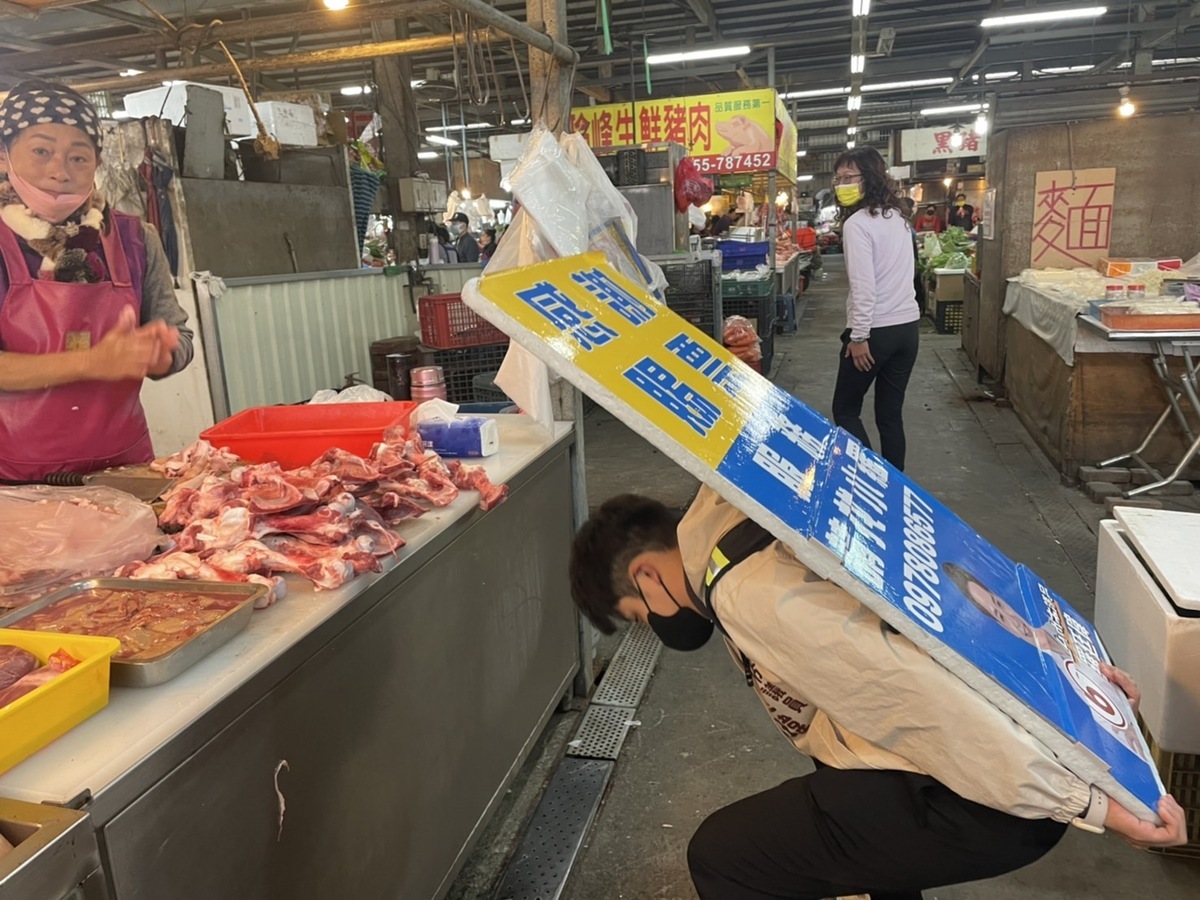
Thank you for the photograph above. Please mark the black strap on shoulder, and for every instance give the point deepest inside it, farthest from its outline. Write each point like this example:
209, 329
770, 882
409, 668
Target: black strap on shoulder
736, 545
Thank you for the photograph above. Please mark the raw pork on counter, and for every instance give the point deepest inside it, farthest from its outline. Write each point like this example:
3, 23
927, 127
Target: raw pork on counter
327, 522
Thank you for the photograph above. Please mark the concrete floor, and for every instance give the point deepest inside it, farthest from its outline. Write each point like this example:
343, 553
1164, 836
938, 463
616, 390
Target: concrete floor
704, 740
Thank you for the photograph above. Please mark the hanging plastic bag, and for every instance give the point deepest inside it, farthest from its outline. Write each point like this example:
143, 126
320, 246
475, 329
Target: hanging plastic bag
691, 188
740, 339
51, 536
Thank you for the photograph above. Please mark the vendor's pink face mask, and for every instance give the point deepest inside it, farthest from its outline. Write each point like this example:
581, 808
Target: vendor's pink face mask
53, 170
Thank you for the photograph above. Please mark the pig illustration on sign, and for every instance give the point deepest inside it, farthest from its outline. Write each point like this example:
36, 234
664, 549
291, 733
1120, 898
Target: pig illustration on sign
745, 136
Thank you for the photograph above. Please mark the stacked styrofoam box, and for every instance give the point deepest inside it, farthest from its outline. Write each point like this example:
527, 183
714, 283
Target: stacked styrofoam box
291, 123
169, 101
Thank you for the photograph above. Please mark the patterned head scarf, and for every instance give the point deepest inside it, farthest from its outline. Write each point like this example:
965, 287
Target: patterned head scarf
45, 103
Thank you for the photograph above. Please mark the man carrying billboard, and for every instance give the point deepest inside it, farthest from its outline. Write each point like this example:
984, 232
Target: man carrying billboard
920, 781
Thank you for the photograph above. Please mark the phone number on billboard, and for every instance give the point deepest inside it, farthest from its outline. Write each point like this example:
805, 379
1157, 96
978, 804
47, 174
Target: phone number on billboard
749, 162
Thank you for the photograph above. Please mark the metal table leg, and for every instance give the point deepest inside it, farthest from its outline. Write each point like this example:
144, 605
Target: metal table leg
1183, 386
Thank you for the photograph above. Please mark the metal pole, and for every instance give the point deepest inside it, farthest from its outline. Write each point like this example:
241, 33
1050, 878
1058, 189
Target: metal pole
291, 61
501, 22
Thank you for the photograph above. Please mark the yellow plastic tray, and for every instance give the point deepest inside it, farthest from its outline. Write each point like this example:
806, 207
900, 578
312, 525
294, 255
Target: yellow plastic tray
30, 723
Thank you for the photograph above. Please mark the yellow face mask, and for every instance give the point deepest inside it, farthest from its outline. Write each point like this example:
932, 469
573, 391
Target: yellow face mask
849, 194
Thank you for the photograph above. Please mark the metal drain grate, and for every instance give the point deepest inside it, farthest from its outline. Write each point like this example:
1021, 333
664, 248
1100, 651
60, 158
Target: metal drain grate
626, 678
540, 867
602, 732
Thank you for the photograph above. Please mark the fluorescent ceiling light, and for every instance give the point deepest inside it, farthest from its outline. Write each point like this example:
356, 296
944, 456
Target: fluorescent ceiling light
417, 83
1049, 15
1178, 61
519, 122
1062, 70
947, 110
860, 7
804, 178
854, 101
852, 130
802, 153
471, 125
355, 90
129, 73
442, 141
819, 92
428, 154
121, 114
858, 63
655, 59
1000, 76
901, 85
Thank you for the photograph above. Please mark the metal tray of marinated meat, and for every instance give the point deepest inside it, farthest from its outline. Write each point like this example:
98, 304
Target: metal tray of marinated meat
169, 663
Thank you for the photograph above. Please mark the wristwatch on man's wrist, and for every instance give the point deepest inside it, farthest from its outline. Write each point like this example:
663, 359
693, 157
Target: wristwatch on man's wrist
1092, 818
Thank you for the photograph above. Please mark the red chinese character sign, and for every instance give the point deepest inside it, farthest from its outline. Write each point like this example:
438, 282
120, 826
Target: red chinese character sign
1072, 218
938, 143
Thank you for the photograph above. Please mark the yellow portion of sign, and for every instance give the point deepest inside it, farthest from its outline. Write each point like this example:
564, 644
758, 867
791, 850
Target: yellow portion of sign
731, 132
683, 381
786, 166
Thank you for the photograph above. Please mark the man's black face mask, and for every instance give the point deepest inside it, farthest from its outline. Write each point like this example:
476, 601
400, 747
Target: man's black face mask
684, 630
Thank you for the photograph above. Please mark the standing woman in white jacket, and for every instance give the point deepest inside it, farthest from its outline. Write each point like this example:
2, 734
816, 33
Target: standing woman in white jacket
879, 345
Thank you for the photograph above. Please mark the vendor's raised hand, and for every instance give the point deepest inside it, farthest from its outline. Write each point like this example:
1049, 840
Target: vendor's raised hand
1142, 834
126, 352
1125, 682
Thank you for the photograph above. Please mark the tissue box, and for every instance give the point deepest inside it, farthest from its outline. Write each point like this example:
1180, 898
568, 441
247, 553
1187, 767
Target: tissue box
463, 436
1112, 266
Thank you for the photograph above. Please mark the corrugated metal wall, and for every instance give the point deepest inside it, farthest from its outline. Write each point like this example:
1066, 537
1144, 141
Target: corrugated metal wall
282, 339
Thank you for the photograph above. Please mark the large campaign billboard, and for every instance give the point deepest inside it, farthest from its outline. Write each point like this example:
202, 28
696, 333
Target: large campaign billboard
843, 510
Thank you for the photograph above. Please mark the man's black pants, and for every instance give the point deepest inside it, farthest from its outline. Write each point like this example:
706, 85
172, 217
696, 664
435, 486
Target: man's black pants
858, 831
894, 349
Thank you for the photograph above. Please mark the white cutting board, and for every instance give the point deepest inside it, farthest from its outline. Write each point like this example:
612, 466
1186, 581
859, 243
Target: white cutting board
1169, 544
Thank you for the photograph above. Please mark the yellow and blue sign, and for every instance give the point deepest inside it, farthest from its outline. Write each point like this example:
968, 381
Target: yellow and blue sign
898, 549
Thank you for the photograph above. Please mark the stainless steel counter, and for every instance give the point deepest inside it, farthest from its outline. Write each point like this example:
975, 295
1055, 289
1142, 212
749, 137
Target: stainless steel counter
403, 704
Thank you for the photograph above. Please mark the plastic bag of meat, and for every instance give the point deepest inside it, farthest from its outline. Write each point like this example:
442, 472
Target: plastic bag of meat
740, 339
59, 662
51, 536
691, 188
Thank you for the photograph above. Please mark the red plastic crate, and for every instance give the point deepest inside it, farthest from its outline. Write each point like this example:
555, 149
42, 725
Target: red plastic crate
447, 324
295, 436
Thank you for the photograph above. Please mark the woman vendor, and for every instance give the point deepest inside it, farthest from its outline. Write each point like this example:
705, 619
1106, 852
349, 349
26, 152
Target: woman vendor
87, 299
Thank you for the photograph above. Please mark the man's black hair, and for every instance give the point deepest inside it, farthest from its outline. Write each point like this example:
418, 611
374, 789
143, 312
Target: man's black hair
622, 529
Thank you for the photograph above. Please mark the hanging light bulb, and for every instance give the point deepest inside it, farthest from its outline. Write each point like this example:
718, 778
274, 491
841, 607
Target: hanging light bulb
1127, 107
981, 124
850, 145
956, 139
336, 4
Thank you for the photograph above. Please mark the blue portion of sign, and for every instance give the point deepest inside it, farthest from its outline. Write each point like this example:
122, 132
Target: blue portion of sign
778, 461
930, 565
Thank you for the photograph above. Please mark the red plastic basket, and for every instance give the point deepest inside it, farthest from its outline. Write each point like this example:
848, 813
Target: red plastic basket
447, 324
295, 436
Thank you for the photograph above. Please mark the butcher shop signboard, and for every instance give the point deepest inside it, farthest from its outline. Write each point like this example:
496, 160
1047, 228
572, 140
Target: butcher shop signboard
845, 512
746, 131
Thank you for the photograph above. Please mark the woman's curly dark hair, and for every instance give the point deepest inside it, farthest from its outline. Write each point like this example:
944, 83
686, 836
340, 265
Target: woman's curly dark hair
879, 191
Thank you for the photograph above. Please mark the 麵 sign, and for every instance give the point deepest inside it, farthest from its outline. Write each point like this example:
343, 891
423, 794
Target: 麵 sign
724, 133
846, 513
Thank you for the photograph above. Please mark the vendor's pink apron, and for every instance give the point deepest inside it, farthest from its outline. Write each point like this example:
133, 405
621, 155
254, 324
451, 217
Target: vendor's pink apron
78, 427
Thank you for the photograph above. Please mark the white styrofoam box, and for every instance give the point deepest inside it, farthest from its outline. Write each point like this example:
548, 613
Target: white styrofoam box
169, 101
291, 123
1148, 638
1167, 540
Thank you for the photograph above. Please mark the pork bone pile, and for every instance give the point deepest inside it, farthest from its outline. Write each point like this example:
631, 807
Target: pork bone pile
328, 522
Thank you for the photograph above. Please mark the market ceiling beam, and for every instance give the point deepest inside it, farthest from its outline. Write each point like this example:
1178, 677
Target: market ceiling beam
290, 61
1151, 41
188, 38
707, 15
16, 9
508, 25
